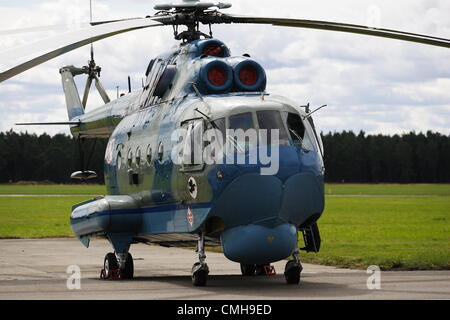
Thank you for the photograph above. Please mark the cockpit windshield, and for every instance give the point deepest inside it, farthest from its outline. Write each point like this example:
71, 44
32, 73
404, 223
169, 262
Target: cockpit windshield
292, 130
271, 120
242, 121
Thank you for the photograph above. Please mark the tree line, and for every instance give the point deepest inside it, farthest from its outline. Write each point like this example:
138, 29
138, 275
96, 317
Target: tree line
349, 157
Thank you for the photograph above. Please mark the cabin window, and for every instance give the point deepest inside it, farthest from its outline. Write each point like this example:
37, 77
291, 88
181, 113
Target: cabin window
130, 157
160, 151
138, 156
271, 120
193, 145
149, 155
119, 161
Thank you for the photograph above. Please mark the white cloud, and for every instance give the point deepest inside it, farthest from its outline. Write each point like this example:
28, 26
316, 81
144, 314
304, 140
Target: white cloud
370, 84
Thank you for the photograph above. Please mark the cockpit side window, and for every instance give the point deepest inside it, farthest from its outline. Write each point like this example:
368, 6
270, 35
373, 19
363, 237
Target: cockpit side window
157, 67
296, 128
149, 68
271, 120
316, 134
219, 124
299, 134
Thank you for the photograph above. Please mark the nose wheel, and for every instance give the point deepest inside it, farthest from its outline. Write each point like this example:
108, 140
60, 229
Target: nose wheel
200, 269
293, 270
200, 274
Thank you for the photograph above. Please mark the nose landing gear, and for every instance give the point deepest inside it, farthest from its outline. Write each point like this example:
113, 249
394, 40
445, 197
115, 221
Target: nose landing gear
293, 269
200, 269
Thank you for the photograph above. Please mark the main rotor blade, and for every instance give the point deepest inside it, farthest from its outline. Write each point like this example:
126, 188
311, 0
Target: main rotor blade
46, 28
342, 27
70, 41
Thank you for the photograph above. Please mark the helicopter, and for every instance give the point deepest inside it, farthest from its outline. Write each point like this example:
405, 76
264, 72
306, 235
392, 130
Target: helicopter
202, 155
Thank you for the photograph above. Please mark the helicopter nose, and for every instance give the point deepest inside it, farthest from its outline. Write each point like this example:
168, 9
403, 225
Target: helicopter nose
259, 209
243, 196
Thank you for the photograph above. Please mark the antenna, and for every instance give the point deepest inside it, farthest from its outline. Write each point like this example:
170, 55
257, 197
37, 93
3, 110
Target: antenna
90, 21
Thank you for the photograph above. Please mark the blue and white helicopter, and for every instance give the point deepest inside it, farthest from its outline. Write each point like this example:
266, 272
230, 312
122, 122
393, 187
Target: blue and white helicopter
199, 86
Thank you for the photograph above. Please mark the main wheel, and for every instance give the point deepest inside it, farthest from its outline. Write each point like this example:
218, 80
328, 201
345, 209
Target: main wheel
128, 272
199, 274
248, 269
110, 263
292, 272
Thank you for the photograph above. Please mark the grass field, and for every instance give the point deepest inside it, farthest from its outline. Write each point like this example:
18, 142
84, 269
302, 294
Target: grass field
60, 189
393, 226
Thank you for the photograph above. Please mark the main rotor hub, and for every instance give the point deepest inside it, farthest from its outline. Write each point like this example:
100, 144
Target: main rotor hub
190, 13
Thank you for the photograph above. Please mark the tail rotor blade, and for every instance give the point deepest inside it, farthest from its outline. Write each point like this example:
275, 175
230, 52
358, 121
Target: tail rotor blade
101, 90
87, 88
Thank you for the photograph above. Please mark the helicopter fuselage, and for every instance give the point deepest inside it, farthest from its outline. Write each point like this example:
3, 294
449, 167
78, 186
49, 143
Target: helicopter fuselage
153, 198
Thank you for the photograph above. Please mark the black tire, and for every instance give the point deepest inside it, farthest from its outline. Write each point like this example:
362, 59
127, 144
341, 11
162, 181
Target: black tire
248, 269
128, 272
110, 263
200, 276
292, 272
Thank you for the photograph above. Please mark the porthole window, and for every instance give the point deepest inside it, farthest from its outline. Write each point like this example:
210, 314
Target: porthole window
130, 157
149, 155
160, 151
138, 156
119, 160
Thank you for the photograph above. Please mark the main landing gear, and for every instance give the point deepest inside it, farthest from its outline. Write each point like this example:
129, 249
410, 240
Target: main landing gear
292, 270
200, 269
257, 270
118, 266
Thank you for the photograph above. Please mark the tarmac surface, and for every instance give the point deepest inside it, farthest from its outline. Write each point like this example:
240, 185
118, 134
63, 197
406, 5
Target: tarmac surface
37, 269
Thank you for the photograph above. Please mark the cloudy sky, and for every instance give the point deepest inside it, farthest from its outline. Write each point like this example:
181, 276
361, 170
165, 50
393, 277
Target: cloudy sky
371, 84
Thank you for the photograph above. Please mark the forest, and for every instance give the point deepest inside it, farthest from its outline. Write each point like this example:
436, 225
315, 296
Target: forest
349, 157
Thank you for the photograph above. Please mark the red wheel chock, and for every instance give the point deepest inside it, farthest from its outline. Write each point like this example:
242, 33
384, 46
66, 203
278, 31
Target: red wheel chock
269, 270
112, 274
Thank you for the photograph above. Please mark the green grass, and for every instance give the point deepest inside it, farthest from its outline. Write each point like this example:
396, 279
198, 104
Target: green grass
387, 189
409, 229
88, 189
391, 232
36, 217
